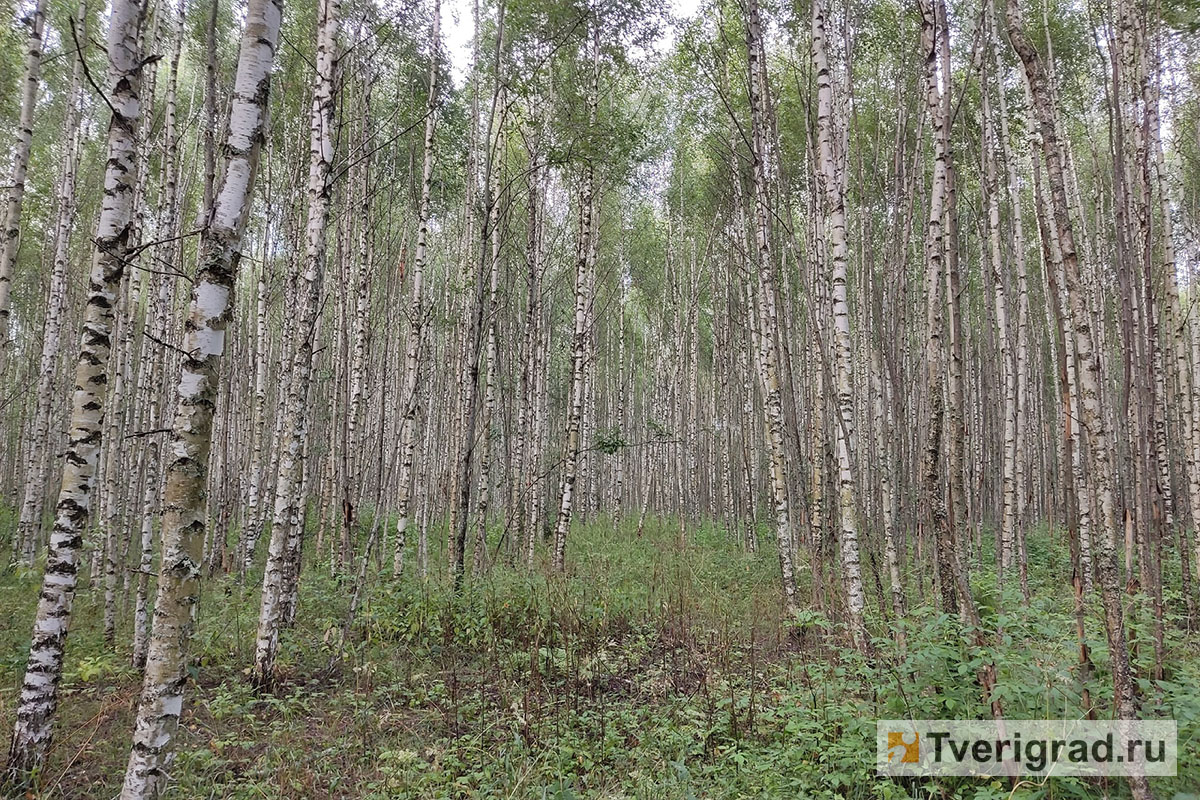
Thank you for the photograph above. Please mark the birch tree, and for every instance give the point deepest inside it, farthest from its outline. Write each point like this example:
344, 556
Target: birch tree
285, 532
43, 672
190, 441
1089, 377
834, 213
584, 266
20, 166
29, 531
417, 310
767, 320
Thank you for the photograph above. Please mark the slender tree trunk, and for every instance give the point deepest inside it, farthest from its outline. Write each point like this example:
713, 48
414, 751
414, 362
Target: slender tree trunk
571, 456
584, 266
29, 531
20, 166
483, 490
210, 113
288, 496
1089, 378
191, 436
932, 495
474, 312
1007, 367
767, 321
39, 690
525, 479
416, 302
254, 514
152, 364
834, 185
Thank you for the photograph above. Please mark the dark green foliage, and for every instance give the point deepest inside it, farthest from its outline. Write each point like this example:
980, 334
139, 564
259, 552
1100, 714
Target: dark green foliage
610, 440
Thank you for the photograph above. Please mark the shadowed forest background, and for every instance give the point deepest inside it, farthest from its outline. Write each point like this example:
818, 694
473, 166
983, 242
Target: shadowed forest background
592, 398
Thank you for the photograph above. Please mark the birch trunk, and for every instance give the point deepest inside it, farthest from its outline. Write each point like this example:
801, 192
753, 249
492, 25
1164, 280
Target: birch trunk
525, 465
932, 496
1177, 323
1007, 369
584, 264
29, 531
474, 312
39, 691
537, 431
157, 322
834, 185
483, 489
20, 167
1089, 377
767, 318
288, 498
191, 436
1022, 345
416, 304
254, 515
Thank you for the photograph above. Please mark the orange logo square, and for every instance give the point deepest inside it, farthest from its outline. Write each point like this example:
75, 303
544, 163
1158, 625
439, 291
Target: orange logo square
910, 751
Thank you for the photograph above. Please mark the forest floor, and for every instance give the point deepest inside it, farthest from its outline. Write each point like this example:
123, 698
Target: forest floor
653, 670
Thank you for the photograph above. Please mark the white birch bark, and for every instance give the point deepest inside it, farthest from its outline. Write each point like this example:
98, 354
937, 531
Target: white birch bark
1012, 186
584, 265
523, 472
39, 690
935, 257
29, 530
1007, 368
191, 436
254, 516
20, 167
834, 186
416, 302
291, 465
1100, 479
483, 488
352, 480
767, 321
537, 435
575, 401
152, 362
1070, 406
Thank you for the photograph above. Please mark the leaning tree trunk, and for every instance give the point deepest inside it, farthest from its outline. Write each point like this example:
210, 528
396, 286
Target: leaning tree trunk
39, 691
1094, 420
191, 435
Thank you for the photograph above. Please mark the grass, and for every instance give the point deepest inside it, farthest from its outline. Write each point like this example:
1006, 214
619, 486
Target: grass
652, 670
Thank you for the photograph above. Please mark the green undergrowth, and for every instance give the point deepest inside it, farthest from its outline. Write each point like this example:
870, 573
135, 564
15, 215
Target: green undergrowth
659, 667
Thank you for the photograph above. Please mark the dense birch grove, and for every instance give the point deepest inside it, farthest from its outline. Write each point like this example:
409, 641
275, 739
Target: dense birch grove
860, 333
